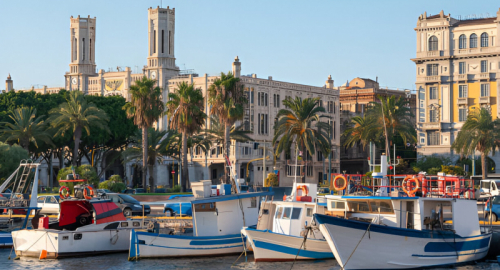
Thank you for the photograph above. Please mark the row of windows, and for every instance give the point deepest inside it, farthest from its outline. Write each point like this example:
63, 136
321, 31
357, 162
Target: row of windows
262, 99
462, 41
263, 123
432, 69
463, 93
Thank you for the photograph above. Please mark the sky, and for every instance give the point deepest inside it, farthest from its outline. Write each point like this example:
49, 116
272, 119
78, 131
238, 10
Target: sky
292, 41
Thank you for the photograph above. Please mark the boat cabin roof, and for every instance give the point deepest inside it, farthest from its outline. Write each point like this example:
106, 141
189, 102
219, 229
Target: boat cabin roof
232, 197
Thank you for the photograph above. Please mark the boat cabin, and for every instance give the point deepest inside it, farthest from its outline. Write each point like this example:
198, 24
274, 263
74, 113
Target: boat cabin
224, 214
409, 212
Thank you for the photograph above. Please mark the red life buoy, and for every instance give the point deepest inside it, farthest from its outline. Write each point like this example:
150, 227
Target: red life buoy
334, 184
407, 181
61, 194
88, 195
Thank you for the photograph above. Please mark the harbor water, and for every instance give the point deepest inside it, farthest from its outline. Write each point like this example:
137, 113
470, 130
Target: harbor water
119, 262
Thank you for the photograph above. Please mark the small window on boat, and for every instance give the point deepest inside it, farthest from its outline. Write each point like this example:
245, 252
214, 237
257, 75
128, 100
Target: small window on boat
124, 224
286, 213
136, 224
78, 236
253, 202
359, 206
279, 212
296, 213
65, 237
385, 207
309, 212
265, 211
337, 205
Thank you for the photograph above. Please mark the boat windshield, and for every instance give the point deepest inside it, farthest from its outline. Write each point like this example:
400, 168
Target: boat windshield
371, 206
128, 199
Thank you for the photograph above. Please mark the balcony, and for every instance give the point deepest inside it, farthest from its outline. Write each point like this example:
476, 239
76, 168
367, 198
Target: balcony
484, 100
463, 101
431, 125
484, 75
462, 77
432, 79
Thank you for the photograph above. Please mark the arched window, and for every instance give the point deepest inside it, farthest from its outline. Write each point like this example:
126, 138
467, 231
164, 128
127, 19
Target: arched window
83, 50
462, 42
473, 41
484, 39
433, 43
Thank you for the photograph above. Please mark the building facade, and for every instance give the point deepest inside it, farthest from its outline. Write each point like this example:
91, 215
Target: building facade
457, 70
355, 96
265, 97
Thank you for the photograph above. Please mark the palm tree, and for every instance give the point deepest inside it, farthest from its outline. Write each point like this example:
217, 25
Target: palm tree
185, 111
359, 130
388, 118
227, 98
301, 124
25, 128
159, 142
479, 133
217, 129
76, 115
146, 107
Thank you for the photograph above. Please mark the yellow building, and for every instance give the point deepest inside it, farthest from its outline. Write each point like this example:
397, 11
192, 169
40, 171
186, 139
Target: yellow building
457, 70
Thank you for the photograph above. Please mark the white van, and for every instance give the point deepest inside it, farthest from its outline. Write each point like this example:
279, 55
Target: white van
490, 187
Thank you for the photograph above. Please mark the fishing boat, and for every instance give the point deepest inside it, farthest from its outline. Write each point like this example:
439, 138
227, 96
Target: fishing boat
86, 226
217, 222
380, 232
22, 199
283, 232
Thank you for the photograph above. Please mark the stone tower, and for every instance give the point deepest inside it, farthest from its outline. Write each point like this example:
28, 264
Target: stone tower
9, 84
236, 67
161, 35
82, 64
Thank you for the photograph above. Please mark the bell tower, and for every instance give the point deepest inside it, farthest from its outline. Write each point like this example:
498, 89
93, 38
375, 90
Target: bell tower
161, 35
82, 64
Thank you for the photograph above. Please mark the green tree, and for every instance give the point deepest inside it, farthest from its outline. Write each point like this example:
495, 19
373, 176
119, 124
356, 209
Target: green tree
217, 130
360, 129
227, 98
25, 128
85, 172
479, 133
185, 110
146, 107
271, 180
158, 143
425, 163
76, 115
390, 117
10, 157
300, 123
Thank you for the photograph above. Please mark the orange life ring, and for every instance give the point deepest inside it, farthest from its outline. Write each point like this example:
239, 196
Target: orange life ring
335, 182
64, 196
90, 194
304, 190
406, 181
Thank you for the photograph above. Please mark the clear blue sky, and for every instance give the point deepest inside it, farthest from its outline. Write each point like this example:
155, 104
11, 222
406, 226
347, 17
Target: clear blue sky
293, 41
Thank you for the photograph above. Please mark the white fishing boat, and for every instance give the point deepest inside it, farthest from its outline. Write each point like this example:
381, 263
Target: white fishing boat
217, 222
403, 232
284, 233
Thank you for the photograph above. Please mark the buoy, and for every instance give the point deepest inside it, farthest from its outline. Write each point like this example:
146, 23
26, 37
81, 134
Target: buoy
43, 254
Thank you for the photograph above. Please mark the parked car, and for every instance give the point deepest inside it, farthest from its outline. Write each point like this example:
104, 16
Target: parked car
178, 206
49, 204
103, 191
128, 204
128, 191
495, 209
489, 187
323, 190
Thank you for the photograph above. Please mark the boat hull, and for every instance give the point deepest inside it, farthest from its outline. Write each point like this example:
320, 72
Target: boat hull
269, 246
359, 245
5, 240
58, 244
150, 245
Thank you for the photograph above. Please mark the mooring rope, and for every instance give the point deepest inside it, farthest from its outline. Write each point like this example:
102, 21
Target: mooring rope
367, 230
303, 242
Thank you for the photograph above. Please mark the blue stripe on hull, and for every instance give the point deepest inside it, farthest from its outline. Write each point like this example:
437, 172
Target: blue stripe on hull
216, 242
193, 248
190, 237
293, 251
457, 246
5, 239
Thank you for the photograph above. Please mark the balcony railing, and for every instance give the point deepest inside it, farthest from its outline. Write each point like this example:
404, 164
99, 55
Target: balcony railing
462, 76
462, 101
484, 100
431, 125
484, 75
432, 78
